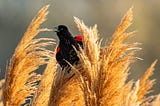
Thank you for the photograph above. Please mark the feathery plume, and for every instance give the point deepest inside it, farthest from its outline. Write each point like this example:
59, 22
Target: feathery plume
42, 95
145, 83
65, 90
31, 52
1, 91
99, 79
156, 102
106, 68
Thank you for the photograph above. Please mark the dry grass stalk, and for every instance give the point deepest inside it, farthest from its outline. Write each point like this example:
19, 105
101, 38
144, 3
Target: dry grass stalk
29, 55
65, 90
137, 94
131, 98
42, 95
1, 91
156, 102
145, 83
106, 68
99, 79
90, 58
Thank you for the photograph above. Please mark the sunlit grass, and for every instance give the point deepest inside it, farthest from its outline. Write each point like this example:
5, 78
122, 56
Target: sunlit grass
100, 78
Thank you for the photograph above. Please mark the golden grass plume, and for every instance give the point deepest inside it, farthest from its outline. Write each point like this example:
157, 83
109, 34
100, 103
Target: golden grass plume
145, 83
1, 91
42, 94
137, 94
31, 52
100, 78
106, 67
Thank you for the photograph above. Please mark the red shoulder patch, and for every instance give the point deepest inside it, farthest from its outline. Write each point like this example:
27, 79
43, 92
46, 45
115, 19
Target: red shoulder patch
78, 38
57, 49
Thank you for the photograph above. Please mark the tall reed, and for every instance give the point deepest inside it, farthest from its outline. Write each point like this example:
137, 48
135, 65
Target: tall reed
31, 52
99, 79
1, 91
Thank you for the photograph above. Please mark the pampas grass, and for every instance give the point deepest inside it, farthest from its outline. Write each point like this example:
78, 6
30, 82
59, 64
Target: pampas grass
42, 95
1, 91
106, 67
31, 52
99, 79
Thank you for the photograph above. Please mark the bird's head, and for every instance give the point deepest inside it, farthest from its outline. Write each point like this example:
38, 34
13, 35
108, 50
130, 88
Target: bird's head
62, 31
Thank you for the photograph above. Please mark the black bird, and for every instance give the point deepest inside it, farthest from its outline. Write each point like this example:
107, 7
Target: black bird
66, 47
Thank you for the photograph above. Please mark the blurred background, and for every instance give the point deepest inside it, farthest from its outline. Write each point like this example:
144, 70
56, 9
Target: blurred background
15, 16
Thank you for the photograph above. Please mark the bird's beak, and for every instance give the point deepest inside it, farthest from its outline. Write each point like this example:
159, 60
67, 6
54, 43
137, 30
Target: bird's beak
56, 29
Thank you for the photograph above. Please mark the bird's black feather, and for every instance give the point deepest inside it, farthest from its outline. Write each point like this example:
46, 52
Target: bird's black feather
67, 45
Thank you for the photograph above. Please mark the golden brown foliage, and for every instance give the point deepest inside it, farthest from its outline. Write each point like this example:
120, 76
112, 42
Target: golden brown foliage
137, 95
1, 91
106, 68
104, 71
156, 102
101, 78
42, 95
65, 91
145, 83
20, 79
98, 80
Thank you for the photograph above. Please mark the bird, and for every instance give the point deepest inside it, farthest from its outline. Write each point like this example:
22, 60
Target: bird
67, 47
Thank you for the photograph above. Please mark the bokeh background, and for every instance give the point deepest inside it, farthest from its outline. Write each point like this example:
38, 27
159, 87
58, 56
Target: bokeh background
15, 16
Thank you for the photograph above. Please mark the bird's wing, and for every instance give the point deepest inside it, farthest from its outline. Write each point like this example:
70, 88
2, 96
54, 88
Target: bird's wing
79, 40
57, 49
59, 58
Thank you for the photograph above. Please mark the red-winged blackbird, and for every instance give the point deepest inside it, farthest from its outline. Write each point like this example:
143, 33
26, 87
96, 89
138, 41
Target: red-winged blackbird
66, 47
